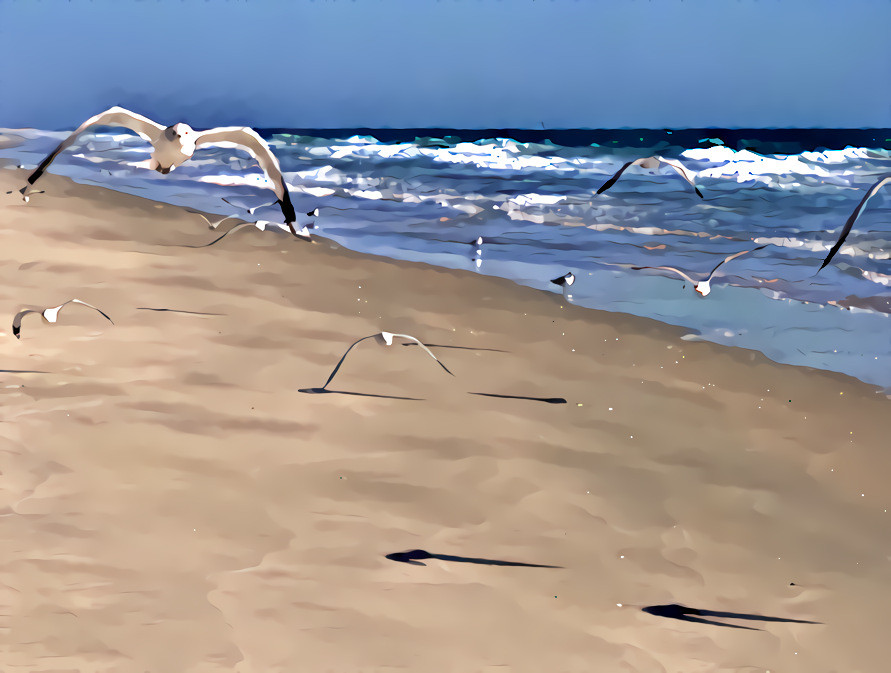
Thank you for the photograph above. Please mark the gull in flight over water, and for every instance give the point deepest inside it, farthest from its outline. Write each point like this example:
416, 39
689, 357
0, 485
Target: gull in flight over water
384, 339
49, 315
653, 163
884, 180
175, 144
703, 287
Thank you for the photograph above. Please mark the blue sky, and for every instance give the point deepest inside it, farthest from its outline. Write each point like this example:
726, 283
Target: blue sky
449, 63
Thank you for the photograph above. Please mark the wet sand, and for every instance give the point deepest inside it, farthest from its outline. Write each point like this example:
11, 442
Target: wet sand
170, 501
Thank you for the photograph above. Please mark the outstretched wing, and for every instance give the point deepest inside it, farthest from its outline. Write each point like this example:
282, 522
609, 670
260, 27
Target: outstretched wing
667, 268
429, 352
684, 172
237, 227
853, 218
609, 183
250, 140
116, 116
733, 256
343, 357
83, 303
17, 322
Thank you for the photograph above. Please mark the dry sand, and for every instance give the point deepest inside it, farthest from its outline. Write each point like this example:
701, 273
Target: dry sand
171, 503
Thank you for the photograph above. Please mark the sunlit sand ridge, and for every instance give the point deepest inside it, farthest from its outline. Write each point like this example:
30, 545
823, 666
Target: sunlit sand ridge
171, 502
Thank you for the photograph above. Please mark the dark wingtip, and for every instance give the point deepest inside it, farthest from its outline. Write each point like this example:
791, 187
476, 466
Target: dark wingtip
699, 193
16, 332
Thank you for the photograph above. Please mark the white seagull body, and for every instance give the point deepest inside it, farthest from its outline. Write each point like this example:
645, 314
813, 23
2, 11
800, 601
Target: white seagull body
49, 315
652, 163
176, 144
703, 287
884, 180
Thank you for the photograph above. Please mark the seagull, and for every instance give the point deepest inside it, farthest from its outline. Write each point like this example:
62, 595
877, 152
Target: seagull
703, 287
262, 225
250, 211
565, 281
884, 180
384, 339
214, 225
652, 163
27, 196
50, 315
175, 144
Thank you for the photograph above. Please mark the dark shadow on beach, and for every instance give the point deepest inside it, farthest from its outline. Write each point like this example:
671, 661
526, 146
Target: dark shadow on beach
414, 555
22, 371
464, 348
547, 400
323, 391
174, 310
683, 613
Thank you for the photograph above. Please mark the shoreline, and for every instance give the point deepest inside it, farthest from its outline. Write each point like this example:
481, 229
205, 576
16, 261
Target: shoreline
165, 481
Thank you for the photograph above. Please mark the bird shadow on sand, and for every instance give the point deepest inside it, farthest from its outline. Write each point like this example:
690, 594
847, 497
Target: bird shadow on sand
327, 391
174, 310
463, 348
22, 371
415, 555
685, 614
546, 400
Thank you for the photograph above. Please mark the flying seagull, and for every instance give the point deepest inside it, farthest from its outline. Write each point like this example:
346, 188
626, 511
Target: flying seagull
27, 196
262, 225
50, 315
652, 163
384, 339
884, 180
565, 281
175, 144
214, 225
703, 287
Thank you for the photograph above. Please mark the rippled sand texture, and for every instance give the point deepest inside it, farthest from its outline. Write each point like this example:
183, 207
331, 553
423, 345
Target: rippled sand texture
169, 501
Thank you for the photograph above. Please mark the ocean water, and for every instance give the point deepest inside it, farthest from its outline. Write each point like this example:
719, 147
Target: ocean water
533, 200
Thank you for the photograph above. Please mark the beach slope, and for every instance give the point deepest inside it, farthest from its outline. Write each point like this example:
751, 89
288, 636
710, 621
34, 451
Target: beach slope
171, 501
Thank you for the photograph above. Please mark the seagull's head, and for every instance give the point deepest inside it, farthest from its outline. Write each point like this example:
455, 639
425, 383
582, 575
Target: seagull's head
703, 288
178, 131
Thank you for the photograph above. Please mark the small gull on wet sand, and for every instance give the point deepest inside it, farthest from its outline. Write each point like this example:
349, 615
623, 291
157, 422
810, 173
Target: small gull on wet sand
50, 315
653, 163
565, 281
703, 287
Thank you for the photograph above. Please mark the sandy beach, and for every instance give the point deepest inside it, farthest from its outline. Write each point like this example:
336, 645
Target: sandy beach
171, 502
